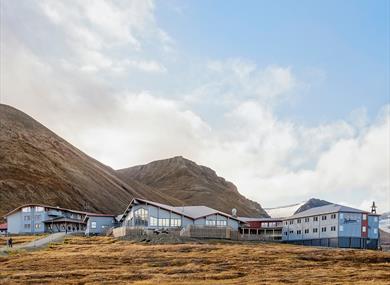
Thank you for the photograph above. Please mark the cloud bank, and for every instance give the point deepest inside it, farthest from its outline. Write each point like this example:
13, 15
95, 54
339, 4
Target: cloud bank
85, 73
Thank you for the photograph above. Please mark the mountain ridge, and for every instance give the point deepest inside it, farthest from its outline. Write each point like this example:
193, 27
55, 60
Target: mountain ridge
191, 183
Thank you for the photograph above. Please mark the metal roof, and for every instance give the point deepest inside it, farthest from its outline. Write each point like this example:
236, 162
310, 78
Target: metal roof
56, 208
247, 219
63, 220
332, 208
192, 212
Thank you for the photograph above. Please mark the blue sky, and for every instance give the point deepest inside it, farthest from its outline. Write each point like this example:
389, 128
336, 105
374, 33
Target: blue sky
287, 99
348, 41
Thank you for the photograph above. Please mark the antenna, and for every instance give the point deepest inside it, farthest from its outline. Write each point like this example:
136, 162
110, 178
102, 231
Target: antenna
373, 208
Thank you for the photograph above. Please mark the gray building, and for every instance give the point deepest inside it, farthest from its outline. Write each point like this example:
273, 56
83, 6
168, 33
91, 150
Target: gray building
97, 224
151, 215
38, 218
333, 226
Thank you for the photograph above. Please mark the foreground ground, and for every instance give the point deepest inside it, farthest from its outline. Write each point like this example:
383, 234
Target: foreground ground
81, 260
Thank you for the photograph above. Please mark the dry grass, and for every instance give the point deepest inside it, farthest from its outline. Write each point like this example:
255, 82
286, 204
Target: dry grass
19, 239
105, 260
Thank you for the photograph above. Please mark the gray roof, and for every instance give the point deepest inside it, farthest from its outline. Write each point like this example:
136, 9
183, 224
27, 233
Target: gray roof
193, 212
248, 219
332, 208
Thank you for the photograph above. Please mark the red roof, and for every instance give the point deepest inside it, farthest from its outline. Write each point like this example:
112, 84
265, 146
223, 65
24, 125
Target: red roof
3, 226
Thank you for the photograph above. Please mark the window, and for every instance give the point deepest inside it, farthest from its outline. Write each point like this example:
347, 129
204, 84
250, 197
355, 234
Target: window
306, 231
291, 222
39, 209
333, 229
307, 220
27, 226
341, 216
375, 231
315, 219
37, 226
333, 216
163, 222
323, 218
364, 229
299, 221
375, 219
210, 223
93, 225
153, 221
141, 217
26, 210
315, 230
175, 222
37, 217
323, 229
341, 228
291, 232
299, 232
285, 233
364, 217
27, 218
264, 225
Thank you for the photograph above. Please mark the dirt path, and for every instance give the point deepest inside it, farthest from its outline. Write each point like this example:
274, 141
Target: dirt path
38, 243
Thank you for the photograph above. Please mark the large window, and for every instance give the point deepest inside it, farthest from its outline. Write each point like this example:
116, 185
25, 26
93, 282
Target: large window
315, 219
315, 230
163, 222
323, 229
153, 222
333, 228
307, 220
141, 217
175, 222
333, 216
210, 223
323, 218
221, 223
26, 210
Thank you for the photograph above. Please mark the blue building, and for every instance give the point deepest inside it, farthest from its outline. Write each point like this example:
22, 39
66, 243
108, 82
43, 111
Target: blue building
37, 218
152, 215
97, 224
333, 226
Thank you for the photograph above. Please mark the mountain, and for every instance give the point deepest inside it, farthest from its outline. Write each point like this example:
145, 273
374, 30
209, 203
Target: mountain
37, 166
192, 184
384, 222
312, 203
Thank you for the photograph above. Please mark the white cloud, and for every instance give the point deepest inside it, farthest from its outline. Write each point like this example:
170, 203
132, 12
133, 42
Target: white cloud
74, 86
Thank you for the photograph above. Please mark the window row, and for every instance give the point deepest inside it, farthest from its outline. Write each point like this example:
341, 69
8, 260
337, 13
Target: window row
214, 223
315, 230
164, 222
37, 209
307, 219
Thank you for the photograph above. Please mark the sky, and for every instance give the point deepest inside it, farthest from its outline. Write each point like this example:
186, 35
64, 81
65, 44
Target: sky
287, 99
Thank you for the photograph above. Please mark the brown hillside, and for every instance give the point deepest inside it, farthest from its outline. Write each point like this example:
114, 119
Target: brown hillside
37, 166
192, 184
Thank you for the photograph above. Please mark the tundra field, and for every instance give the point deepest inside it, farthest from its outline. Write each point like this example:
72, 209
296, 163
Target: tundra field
104, 260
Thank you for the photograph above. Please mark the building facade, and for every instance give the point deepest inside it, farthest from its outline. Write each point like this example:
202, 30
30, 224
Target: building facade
37, 218
332, 226
97, 224
151, 215
267, 229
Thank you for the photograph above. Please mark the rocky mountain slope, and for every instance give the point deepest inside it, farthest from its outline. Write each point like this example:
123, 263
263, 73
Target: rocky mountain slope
312, 203
37, 166
193, 185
